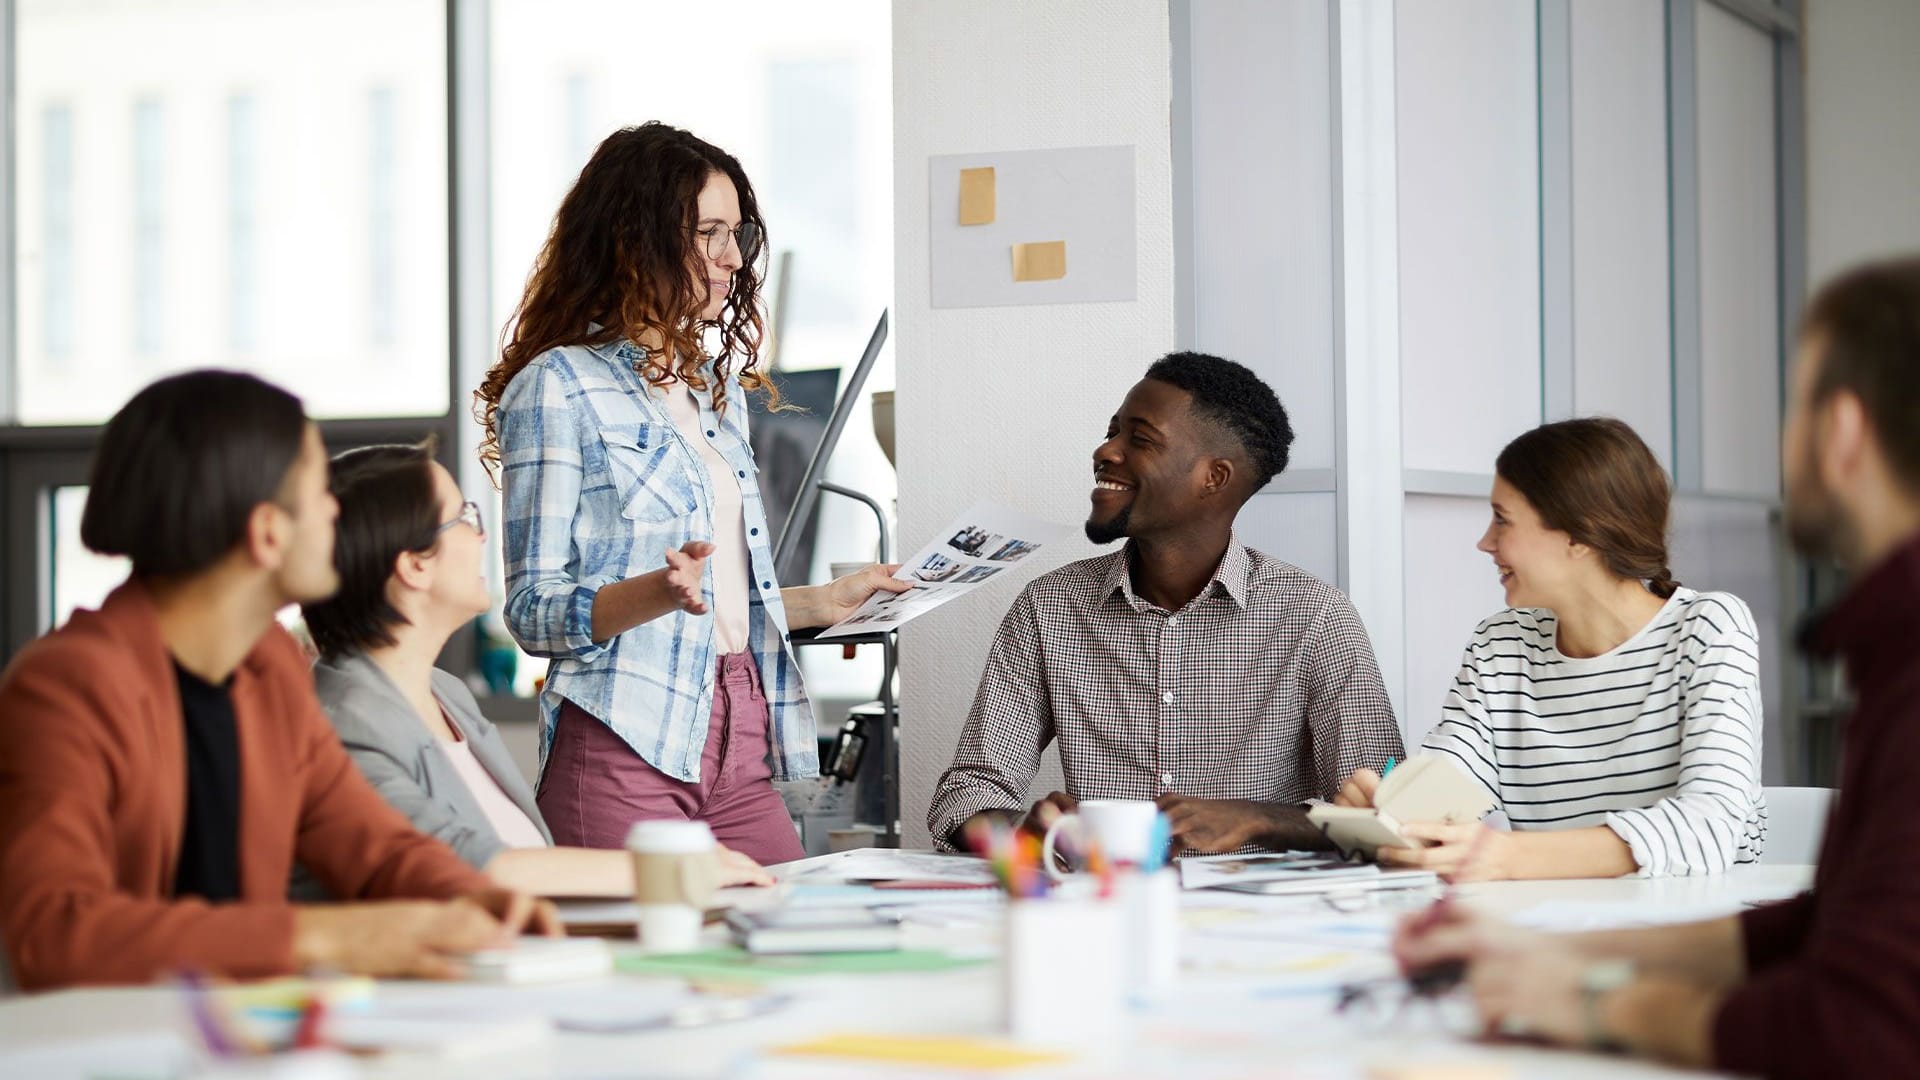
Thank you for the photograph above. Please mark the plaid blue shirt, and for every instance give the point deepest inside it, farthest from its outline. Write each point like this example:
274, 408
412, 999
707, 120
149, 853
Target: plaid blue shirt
598, 485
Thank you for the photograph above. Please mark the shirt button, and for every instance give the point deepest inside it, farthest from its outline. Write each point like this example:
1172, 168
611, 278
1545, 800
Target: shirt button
1167, 698
1172, 622
753, 532
1166, 779
743, 474
766, 584
709, 434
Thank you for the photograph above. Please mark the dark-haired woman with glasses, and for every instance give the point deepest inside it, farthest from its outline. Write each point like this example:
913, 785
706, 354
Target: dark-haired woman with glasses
638, 557
409, 551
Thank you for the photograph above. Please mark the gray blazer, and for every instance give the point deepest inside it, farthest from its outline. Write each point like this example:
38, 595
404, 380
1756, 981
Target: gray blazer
405, 763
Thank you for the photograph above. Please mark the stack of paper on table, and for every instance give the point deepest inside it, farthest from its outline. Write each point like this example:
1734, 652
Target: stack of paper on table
869, 878
1293, 872
815, 930
870, 865
540, 960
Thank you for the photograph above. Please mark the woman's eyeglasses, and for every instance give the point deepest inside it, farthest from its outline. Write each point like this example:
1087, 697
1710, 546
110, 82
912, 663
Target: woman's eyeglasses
469, 515
714, 237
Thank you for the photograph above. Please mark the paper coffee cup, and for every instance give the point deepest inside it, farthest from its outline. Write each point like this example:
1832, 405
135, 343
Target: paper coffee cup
676, 869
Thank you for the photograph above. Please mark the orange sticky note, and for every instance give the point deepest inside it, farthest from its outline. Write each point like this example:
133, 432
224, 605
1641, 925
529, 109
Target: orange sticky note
976, 196
1040, 262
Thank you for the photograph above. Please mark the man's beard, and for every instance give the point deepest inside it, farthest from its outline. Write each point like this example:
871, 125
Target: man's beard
1816, 526
1108, 532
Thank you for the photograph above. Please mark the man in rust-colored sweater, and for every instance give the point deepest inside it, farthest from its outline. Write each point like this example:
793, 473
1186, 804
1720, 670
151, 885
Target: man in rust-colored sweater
164, 762
1826, 984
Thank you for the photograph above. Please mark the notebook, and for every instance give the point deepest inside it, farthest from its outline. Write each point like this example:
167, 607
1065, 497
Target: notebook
539, 959
1425, 788
814, 930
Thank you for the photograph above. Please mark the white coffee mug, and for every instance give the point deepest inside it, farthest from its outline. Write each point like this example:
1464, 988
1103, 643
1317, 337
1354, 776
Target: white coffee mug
1122, 827
676, 868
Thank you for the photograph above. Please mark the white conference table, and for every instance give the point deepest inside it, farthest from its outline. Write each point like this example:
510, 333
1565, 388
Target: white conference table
1209, 1024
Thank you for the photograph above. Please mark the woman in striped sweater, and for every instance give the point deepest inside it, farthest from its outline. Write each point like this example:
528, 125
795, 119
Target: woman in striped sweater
1614, 714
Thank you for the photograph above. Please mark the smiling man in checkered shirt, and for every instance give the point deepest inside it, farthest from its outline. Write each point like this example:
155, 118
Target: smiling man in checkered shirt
1185, 667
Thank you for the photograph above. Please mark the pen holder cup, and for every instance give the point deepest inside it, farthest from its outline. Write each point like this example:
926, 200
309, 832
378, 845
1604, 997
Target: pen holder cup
1064, 971
1150, 904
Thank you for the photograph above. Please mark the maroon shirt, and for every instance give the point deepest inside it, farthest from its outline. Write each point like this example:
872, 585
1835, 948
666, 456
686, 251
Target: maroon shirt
1834, 974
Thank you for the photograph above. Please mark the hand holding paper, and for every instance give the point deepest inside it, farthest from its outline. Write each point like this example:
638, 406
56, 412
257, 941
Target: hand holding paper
843, 596
981, 545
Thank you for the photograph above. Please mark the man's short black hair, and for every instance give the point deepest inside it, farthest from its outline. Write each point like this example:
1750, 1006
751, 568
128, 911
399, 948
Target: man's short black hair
387, 506
1229, 395
181, 467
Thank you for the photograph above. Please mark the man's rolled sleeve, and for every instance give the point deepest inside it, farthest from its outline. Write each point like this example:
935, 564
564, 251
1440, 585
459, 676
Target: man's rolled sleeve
1010, 723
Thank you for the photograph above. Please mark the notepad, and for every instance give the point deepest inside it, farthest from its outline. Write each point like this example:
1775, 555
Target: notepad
814, 930
538, 959
1425, 788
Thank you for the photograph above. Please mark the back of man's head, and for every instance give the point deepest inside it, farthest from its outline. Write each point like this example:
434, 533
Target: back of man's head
181, 467
1238, 403
1865, 330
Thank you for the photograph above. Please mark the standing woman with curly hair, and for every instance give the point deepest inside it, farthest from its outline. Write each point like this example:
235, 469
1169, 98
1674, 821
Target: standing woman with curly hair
638, 558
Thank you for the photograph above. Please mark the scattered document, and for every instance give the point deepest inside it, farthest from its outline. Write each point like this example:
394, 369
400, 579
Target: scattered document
986, 543
1213, 871
884, 864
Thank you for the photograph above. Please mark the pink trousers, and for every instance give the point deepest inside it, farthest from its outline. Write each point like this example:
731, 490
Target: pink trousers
595, 786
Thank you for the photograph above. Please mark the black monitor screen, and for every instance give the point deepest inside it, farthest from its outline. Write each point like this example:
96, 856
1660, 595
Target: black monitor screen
783, 444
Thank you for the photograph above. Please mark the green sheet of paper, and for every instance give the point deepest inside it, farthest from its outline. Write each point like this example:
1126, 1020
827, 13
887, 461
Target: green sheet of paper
735, 963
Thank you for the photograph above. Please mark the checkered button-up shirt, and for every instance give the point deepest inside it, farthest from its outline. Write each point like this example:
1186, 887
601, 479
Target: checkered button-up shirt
1262, 687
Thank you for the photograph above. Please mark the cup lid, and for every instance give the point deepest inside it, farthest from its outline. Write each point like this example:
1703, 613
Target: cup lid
670, 836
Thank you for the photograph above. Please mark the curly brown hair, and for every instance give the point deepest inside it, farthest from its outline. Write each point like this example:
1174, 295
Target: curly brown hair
619, 255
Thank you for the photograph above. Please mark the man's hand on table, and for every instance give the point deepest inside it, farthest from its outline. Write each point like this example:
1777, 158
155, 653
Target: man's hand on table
1218, 825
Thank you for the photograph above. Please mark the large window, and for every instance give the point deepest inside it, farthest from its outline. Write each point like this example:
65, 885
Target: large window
268, 187
261, 186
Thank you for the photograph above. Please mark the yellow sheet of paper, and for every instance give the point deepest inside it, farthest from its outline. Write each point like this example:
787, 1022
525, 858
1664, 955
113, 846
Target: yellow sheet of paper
1040, 262
940, 1051
1461, 1070
976, 196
